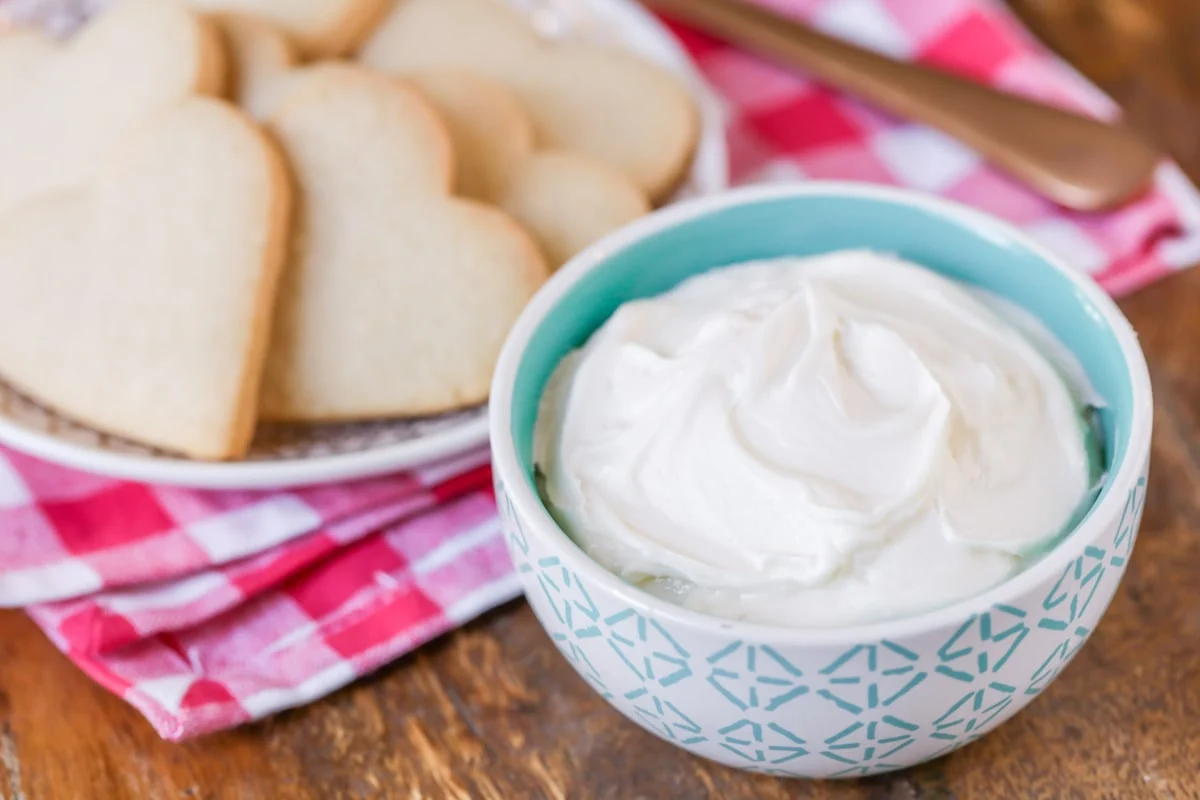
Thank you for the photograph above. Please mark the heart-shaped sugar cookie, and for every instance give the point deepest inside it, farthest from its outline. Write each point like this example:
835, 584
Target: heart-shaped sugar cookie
565, 200
22, 52
261, 60
569, 202
137, 57
491, 134
595, 101
398, 296
321, 28
140, 304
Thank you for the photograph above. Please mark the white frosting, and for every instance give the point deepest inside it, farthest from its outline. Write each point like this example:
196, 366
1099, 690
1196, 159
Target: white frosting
812, 442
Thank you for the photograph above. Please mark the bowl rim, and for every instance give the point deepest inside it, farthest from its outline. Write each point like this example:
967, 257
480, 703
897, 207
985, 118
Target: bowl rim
529, 509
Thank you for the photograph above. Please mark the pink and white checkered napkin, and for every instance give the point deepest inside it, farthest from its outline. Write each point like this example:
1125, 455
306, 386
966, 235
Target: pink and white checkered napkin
206, 610
239, 641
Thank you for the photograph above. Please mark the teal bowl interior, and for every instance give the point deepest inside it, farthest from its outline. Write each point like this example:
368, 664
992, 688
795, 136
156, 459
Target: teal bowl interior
976, 252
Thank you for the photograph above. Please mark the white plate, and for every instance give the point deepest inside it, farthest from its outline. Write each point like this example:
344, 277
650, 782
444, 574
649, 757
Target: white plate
299, 455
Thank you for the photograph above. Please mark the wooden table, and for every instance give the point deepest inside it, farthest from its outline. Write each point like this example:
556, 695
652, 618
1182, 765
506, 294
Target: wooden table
493, 711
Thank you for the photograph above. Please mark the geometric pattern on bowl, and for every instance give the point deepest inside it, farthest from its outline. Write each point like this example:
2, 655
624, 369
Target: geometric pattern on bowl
821, 712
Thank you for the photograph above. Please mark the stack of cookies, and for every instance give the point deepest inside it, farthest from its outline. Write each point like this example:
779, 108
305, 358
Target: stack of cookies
330, 211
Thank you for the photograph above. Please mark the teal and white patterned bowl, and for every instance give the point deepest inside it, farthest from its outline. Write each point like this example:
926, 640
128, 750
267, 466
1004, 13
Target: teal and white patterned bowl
849, 701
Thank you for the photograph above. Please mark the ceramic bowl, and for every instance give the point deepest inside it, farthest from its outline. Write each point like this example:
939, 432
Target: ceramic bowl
847, 701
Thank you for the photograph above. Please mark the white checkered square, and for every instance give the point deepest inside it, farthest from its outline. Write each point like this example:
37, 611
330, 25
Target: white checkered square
33, 581
167, 691
254, 528
1071, 243
923, 158
167, 595
13, 492
867, 23
272, 699
780, 170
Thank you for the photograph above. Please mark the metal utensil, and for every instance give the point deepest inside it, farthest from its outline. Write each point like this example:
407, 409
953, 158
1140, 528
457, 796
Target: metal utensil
1077, 161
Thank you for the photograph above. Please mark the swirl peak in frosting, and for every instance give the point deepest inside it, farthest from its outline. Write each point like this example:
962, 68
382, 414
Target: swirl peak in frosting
812, 441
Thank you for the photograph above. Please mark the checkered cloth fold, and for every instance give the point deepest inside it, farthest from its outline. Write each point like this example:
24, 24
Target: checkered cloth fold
206, 610
240, 641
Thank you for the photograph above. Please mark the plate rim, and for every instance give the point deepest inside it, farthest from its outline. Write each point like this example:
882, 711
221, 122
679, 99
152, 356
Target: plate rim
252, 475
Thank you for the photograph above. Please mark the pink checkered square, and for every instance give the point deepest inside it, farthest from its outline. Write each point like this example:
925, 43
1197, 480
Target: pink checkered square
972, 46
120, 514
404, 607
809, 120
358, 567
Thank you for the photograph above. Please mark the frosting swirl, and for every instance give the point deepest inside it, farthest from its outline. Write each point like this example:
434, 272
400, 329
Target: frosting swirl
812, 441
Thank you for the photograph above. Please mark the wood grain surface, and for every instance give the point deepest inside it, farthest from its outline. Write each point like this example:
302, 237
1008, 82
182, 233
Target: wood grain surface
492, 711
